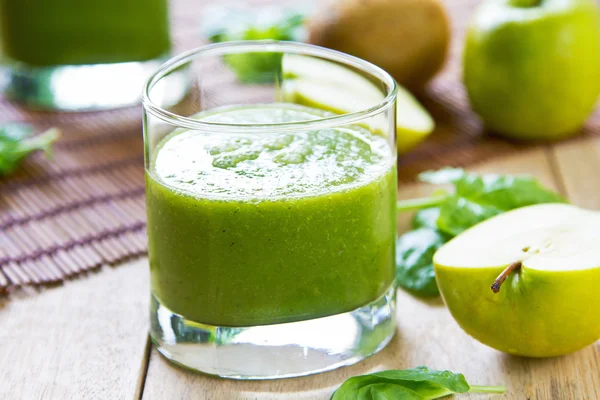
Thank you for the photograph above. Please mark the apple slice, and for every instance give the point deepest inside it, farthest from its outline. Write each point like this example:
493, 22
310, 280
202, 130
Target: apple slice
543, 262
323, 84
413, 122
296, 66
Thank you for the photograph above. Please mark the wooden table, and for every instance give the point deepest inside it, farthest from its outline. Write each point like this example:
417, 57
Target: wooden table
87, 339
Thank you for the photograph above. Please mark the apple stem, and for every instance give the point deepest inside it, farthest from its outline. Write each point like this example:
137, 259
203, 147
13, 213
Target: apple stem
502, 277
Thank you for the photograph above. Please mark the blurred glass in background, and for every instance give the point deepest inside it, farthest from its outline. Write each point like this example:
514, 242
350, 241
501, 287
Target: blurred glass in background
81, 55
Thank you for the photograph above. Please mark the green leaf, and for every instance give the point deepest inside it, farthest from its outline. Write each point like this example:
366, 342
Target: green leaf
458, 213
430, 378
16, 142
222, 24
444, 215
444, 175
479, 197
426, 218
504, 192
414, 260
387, 391
14, 132
418, 383
255, 67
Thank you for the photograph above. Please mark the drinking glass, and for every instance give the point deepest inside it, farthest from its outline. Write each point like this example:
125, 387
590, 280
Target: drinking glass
271, 191
81, 55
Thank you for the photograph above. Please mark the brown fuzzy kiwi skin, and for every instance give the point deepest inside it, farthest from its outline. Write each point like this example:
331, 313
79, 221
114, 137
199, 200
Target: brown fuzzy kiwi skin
407, 38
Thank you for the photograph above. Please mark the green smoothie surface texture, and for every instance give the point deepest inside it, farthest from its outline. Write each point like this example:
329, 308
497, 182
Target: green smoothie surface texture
60, 32
255, 229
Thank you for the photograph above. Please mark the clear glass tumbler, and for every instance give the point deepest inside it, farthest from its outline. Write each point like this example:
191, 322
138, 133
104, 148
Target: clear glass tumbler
271, 191
79, 55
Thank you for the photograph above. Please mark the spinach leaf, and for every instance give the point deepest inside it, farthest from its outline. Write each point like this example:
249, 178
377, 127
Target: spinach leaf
221, 24
444, 215
459, 213
16, 142
479, 197
418, 383
426, 218
414, 259
505, 192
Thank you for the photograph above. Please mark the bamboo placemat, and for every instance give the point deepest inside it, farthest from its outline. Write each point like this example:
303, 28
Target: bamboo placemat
80, 210
85, 207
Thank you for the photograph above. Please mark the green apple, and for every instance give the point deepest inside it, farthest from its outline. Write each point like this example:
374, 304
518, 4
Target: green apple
543, 262
532, 67
322, 84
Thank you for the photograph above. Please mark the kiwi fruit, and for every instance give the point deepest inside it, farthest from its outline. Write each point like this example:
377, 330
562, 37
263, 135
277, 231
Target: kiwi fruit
407, 38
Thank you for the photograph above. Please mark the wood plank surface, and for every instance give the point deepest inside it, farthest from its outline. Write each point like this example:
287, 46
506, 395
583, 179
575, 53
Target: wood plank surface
427, 334
84, 340
578, 167
87, 339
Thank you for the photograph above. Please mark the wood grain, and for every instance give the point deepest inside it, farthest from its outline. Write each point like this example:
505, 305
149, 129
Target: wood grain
427, 335
578, 167
85, 340
88, 338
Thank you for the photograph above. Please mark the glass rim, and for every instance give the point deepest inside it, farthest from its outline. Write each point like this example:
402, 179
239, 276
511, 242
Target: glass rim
266, 46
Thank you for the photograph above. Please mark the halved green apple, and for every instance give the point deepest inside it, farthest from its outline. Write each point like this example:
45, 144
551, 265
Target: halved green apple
543, 263
323, 84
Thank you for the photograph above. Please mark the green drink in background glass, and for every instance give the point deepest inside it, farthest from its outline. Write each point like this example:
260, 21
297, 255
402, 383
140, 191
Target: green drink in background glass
271, 225
81, 55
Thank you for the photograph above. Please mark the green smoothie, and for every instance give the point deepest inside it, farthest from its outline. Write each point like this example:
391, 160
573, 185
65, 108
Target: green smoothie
58, 32
255, 229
